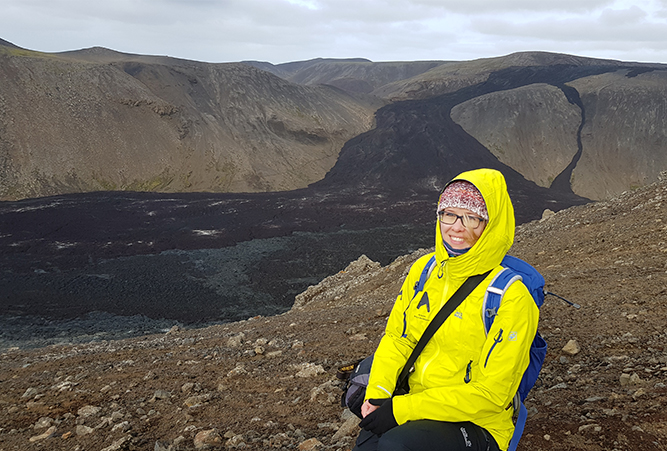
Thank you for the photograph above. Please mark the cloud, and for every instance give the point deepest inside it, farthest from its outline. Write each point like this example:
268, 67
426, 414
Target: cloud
516, 6
289, 30
609, 25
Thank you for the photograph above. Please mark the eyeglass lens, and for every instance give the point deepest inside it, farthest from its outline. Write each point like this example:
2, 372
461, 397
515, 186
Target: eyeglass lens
467, 220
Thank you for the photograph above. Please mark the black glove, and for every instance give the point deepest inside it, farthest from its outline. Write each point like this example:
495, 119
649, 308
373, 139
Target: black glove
381, 419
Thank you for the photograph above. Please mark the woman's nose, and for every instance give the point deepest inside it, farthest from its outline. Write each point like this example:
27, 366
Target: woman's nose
458, 224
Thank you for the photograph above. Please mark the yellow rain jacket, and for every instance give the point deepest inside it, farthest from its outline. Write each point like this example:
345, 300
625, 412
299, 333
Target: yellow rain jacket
462, 374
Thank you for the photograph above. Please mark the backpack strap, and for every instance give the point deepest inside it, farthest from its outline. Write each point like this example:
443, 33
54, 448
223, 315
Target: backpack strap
518, 427
418, 288
426, 273
492, 299
494, 295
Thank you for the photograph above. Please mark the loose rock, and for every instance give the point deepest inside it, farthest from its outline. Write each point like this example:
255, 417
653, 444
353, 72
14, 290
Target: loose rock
236, 341
349, 429
571, 348
310, 370
161, 394
49, 432
118, 444
87, 411
83, 430
30, 393
310, 445
207, 438
193, 401
43, 422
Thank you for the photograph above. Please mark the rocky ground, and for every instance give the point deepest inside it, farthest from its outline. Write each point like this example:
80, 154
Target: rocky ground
269, 382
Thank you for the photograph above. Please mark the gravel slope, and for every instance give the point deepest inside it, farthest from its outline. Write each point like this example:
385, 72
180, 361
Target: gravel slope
268, 382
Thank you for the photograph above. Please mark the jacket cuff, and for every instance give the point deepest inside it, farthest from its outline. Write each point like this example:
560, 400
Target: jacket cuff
402, 406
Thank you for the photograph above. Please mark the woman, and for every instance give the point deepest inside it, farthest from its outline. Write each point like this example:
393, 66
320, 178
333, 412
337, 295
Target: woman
463, 382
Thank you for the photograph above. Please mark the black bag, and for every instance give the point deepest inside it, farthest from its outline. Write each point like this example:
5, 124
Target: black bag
357, 374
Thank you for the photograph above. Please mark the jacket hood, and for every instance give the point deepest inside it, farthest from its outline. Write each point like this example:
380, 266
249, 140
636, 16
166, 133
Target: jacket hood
498, 235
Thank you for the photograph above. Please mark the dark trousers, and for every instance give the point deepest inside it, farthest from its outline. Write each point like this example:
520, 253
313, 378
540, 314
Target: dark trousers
428, 435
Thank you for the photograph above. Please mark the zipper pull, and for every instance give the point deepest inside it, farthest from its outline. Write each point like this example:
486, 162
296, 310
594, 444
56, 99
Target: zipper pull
497, 339
441, 270
468, 377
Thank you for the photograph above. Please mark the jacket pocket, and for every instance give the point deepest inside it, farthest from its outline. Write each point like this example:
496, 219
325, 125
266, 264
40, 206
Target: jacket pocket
497, 339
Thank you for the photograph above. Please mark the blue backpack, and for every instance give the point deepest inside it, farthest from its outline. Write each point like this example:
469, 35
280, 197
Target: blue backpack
516, 269
513, 269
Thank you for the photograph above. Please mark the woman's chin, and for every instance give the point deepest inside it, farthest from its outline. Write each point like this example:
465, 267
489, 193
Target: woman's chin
458, 246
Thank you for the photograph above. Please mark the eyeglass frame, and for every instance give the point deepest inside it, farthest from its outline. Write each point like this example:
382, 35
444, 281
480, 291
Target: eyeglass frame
464, 219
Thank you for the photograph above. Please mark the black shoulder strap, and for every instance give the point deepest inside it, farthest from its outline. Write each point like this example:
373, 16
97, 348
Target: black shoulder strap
464, 290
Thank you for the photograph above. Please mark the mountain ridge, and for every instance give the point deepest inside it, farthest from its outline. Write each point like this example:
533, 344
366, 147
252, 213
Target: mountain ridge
98, 119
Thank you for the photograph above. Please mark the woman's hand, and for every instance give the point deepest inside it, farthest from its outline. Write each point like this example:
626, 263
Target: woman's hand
381, 418
370, 405
367, 408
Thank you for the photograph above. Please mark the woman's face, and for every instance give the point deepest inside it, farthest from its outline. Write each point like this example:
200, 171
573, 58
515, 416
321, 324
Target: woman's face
458, 236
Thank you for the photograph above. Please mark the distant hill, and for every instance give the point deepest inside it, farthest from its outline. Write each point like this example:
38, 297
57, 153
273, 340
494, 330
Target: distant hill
554, 118
98, 119
356, 75
8, 44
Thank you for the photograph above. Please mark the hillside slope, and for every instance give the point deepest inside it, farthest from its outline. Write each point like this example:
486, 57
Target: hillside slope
611, 127
102, 120
273, 378
595, 127
416, 147
582, 126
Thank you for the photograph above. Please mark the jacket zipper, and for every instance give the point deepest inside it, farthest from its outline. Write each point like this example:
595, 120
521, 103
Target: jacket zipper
405, 320
442, 272
498, 338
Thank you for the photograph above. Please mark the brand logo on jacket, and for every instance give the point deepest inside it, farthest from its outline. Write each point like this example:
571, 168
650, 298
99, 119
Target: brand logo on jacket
424, 301
465, 437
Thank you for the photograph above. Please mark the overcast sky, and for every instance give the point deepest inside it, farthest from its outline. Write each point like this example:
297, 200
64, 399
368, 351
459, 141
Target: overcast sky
381, 30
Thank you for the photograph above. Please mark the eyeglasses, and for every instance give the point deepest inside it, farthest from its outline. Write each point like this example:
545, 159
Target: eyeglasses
468, 221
